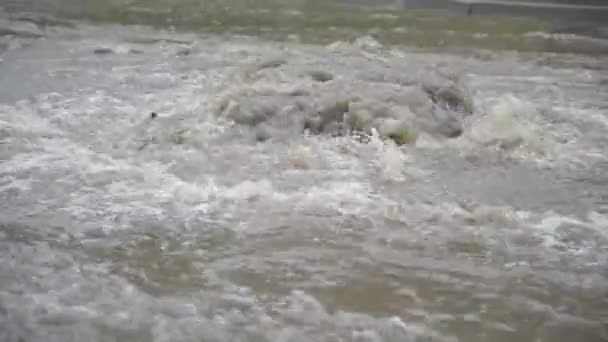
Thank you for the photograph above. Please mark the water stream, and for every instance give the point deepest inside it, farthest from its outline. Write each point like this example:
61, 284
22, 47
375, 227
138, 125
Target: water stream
299, 172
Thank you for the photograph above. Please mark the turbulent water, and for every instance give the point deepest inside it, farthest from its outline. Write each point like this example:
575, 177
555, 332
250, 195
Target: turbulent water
198, 185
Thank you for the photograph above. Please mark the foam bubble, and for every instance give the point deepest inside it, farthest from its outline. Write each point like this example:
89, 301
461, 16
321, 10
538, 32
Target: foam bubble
278, 100
303, 157
508, 125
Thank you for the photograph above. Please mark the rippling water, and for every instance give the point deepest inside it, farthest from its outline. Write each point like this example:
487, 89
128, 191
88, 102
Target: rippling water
226, 173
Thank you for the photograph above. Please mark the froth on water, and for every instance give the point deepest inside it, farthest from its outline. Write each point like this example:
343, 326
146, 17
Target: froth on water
350, 191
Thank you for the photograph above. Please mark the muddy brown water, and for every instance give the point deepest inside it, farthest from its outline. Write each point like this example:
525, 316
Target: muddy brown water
308, 176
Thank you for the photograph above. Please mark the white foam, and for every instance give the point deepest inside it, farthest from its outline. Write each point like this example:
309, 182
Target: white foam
390, 159
508, 124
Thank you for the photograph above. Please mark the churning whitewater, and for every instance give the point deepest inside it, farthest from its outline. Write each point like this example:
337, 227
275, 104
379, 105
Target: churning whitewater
162, 186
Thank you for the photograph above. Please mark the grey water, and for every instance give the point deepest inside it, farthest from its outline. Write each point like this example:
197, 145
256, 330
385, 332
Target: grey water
299, 171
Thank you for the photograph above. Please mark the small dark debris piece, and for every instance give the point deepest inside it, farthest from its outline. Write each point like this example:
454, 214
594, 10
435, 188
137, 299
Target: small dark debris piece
184, 52
103, 51
153, 115
321, 76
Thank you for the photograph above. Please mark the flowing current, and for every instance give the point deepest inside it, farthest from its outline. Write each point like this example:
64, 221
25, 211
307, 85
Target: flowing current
355, 178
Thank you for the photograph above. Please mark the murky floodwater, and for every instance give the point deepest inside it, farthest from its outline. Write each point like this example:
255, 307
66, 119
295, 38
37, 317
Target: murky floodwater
371, 177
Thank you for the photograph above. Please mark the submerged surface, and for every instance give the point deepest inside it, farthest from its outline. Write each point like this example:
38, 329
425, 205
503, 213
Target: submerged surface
283, 191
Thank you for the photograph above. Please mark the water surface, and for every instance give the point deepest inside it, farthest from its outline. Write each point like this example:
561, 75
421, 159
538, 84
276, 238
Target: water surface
311, 176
